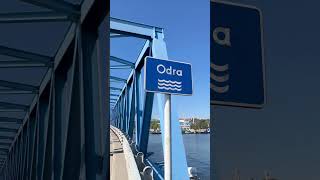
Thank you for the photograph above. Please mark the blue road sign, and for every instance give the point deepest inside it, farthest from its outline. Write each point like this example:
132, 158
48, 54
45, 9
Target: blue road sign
170, 77
236, 48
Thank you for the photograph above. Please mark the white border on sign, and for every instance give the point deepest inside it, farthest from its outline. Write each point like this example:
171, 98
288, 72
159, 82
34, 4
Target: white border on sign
145, 69
225, 103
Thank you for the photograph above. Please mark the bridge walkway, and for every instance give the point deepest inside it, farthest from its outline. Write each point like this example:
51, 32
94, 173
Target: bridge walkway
117, 159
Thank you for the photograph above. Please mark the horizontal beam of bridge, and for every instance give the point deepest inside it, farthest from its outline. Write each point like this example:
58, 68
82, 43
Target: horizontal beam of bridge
5, 143
123, 27
30, 17
115, 88
23, 64
7, 105
113, 35
24, 55
7, 129
12, 110
58, 6
9, 91
18, 86
122, 61
4, 149
10, 120
6, 137
118, 79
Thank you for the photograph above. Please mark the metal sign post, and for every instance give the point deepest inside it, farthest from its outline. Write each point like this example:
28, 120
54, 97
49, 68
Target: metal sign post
167, 138
168, 77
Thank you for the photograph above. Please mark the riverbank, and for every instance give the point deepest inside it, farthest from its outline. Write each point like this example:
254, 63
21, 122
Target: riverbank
189, 131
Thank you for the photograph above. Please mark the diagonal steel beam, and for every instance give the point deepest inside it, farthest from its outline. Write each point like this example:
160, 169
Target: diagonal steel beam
24, 55
118, 79
122, 61
18, 86
10, 120
30, 17
6, 105
58, 6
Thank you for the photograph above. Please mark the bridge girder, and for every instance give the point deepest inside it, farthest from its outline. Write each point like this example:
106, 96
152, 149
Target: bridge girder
73, 123
133, 108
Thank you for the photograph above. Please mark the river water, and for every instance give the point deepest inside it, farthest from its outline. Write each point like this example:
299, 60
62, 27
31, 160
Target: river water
197, 148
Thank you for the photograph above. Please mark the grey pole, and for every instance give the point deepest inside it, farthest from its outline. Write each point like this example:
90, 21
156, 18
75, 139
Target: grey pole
167, 138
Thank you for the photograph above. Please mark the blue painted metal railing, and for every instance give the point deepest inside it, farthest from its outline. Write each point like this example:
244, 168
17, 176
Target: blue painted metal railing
132, 108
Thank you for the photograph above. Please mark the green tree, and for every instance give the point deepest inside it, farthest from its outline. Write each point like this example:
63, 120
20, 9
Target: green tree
154, 124
200, 124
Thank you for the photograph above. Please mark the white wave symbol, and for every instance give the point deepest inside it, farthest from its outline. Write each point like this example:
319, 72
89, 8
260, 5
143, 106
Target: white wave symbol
219, 79
168, 81
169, 85
169, 88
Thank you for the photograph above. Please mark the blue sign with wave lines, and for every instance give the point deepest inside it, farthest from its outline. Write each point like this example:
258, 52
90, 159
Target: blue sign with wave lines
166, 76
237, 59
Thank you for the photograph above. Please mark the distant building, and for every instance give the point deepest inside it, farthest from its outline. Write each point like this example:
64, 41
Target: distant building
184, 124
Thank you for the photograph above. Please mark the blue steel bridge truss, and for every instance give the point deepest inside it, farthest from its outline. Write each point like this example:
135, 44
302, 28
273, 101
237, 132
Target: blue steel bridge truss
131, 106
61, 132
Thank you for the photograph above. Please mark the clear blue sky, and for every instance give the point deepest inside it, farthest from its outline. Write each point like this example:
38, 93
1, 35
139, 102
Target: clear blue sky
186, 25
